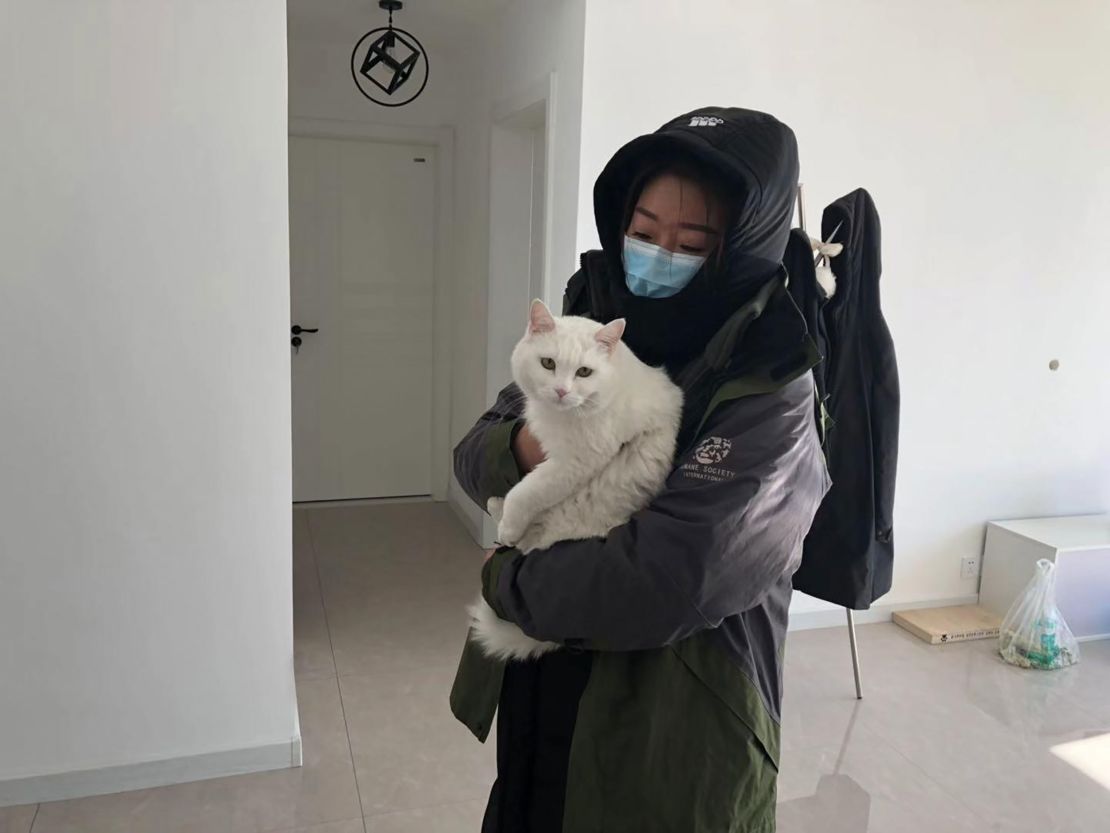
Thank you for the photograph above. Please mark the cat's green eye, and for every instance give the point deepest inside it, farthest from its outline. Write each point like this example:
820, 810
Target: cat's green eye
548, 364
584, 372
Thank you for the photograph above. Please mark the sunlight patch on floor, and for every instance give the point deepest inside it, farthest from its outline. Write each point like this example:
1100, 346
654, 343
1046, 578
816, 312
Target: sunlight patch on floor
1091, 756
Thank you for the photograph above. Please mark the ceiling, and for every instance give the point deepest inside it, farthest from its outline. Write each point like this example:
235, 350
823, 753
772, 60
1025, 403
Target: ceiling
328, 18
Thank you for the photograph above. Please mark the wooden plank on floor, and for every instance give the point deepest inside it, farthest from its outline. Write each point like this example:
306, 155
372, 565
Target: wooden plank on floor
938, 625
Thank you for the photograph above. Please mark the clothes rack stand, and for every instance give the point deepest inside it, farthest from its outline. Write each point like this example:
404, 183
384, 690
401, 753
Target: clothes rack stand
851, 617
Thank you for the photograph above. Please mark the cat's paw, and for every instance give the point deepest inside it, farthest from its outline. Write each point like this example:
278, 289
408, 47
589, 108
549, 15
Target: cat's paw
509, 532
496, 508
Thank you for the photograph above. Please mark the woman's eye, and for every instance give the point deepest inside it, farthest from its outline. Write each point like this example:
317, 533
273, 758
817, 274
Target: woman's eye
694, 250
584, 372
639, 235
548, 364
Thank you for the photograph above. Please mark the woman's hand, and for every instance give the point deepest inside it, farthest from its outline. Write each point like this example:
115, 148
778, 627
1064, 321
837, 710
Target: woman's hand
526, 449
489, 555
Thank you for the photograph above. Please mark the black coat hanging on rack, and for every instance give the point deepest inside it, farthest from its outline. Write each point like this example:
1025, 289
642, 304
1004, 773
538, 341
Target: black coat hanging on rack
849, 552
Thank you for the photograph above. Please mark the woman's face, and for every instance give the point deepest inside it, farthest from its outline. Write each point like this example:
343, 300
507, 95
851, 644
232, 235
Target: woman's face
677, 214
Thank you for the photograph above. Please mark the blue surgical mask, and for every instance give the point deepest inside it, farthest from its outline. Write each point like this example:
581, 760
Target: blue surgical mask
651, 271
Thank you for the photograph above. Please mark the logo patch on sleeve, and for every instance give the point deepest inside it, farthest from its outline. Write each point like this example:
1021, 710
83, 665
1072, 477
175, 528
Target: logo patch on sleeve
707, 461
713, 450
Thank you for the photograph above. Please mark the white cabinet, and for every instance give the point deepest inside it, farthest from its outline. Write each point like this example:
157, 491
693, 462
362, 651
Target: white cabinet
1080, 548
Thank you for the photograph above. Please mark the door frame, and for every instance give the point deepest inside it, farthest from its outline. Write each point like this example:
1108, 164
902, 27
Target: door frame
510, 122
443, 140
512, 111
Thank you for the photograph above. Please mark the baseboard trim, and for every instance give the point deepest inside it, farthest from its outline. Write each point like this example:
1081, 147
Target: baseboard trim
466, 518
811, 619
80, 783
472, 518
1092, 637
363, 501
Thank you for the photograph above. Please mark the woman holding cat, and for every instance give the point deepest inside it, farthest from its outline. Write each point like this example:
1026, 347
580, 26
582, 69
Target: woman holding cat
661, 712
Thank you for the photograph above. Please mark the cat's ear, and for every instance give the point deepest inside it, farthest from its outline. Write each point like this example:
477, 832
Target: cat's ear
609, 335
539, 319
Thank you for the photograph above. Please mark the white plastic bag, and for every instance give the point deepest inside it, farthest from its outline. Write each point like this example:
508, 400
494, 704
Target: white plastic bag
1034, 634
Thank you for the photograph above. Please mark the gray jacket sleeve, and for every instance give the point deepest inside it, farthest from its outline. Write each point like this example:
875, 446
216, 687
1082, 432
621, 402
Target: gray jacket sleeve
484, 462
728, 525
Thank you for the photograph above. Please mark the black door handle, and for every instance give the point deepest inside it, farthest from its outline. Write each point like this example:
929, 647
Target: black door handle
297, 329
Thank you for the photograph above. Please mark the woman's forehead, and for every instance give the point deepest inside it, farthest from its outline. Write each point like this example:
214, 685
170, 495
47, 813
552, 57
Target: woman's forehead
677, 198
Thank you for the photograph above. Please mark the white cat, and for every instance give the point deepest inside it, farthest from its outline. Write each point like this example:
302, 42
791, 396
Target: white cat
607, 423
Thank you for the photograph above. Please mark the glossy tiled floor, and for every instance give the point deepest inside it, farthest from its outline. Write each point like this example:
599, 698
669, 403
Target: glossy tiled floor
948, 739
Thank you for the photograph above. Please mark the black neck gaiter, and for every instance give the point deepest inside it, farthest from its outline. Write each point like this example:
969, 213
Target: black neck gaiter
670, 332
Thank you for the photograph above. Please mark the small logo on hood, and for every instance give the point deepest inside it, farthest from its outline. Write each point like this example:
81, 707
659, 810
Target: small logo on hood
713, 450
705, 121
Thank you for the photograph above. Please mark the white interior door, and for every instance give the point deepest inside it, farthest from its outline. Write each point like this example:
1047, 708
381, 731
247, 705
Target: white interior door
362, 218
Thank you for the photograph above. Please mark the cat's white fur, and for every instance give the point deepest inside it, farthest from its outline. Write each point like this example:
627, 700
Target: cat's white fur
609, 442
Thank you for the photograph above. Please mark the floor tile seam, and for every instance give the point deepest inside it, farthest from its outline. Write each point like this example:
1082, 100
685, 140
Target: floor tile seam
952, 796
338, 685
436, 806
312, 824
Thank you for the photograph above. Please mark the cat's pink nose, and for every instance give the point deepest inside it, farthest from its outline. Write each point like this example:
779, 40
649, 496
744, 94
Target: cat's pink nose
562, 392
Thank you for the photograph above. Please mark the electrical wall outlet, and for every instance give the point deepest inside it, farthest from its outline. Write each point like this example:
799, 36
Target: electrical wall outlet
969, 567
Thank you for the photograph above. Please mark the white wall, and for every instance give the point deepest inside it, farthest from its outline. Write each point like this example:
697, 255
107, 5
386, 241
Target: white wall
981, 130
513, 51
530, 40
145, 529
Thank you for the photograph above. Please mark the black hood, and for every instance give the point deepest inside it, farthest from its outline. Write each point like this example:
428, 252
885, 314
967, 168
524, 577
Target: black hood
854, 221
755, 155
755, 158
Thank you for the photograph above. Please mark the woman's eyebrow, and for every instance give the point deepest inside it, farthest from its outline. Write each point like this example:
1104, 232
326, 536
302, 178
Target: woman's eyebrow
691, 226
697, 227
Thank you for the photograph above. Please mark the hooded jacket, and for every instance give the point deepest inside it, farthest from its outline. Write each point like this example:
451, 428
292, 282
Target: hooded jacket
680, 613
849, 555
